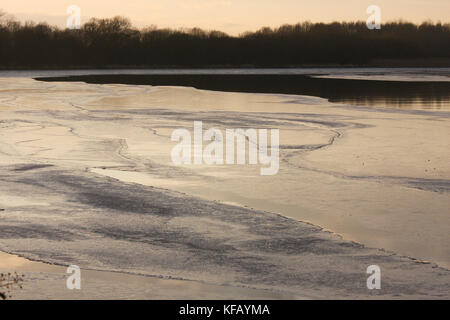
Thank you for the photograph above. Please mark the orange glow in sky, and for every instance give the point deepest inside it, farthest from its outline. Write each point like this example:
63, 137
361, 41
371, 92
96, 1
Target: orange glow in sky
232, 16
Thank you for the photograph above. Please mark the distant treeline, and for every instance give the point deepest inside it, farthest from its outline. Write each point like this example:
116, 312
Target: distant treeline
115, 42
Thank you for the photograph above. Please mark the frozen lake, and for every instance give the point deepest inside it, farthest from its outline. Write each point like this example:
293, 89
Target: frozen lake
87, 179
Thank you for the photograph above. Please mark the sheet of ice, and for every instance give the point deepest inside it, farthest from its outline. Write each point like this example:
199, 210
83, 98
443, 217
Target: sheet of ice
45, 281
379, 177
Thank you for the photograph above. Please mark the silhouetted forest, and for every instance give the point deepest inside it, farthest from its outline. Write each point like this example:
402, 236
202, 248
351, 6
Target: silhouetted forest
115, 42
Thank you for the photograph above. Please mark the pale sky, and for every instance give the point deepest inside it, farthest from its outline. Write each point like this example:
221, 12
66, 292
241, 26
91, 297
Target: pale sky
231, 16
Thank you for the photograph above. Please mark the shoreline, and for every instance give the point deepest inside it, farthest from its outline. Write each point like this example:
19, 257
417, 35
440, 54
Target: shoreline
102, 283
433, 91
379, 63
47, 281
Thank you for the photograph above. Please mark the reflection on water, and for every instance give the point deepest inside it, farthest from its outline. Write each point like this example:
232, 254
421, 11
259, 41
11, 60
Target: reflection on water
388, 94
421, 95
413, 103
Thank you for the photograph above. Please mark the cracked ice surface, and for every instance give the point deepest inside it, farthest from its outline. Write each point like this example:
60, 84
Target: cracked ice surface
85, 171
